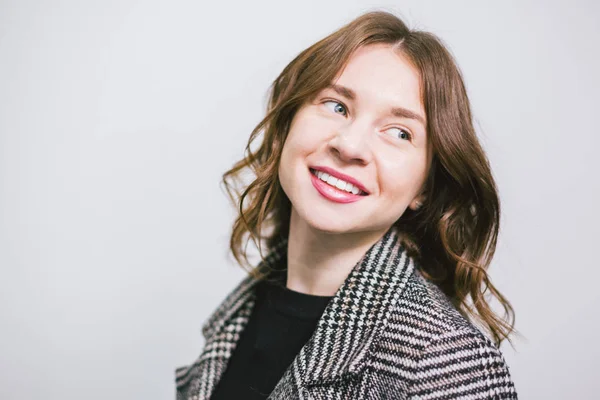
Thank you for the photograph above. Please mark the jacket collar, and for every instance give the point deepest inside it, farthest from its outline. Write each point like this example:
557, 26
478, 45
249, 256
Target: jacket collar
349, 325
356, 314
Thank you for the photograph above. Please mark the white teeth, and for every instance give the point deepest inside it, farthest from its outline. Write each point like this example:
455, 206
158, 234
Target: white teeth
338, 183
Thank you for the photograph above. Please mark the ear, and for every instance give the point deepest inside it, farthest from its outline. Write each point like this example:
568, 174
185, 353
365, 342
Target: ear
417, 202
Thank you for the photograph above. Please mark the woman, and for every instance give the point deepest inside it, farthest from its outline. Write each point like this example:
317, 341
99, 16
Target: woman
380, 214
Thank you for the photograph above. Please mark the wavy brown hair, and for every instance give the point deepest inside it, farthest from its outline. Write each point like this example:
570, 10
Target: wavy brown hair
453, 235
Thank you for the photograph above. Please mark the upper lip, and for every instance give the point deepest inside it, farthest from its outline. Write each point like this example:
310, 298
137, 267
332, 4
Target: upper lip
341, 176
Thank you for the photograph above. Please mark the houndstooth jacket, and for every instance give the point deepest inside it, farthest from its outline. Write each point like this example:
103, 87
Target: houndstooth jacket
388, 333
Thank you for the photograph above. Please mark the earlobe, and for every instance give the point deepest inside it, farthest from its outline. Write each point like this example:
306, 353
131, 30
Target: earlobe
417, 203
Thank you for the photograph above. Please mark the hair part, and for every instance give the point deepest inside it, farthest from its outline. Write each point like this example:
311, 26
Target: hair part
453, 236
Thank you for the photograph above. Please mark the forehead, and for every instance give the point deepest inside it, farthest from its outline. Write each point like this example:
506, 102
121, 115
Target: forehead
382, 76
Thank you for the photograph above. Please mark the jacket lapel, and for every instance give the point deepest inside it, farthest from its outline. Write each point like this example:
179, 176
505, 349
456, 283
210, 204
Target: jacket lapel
352, 320
222, 332
350, 323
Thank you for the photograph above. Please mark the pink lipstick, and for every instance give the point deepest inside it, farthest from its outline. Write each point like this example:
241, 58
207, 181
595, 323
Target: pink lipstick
333, 193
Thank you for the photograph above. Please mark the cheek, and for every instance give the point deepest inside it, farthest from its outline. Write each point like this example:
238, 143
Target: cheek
396, 187
286, 164
295, 150
401, 177
285, 172
308, 133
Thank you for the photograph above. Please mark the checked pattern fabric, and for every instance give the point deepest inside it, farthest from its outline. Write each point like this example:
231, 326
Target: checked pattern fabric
388, 333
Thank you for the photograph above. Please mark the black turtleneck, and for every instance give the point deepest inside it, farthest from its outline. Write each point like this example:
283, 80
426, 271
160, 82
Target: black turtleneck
281, 322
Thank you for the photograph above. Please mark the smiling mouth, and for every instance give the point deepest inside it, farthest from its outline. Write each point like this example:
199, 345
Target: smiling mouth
338, 184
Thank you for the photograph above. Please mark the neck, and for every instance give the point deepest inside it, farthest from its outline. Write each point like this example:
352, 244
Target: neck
319, 262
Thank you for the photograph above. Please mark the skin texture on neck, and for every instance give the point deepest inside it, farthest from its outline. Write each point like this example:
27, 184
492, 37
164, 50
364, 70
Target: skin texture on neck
319, 262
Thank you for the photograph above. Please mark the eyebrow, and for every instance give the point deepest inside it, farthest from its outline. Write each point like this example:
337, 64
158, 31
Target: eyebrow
400, 112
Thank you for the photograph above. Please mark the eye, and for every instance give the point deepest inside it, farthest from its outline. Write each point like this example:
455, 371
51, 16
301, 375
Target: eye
401, 133
337, 107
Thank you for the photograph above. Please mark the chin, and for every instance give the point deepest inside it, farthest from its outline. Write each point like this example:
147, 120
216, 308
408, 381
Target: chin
327, 222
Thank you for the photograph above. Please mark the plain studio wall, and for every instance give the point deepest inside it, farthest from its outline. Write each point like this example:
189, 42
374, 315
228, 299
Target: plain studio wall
117, 119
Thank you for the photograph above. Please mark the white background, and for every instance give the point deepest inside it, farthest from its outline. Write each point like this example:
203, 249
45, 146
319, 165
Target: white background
117, 119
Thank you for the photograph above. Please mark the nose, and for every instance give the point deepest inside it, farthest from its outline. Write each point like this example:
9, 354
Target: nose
351, 142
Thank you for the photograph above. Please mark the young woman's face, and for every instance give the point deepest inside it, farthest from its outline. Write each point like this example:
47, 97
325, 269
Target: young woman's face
368, 129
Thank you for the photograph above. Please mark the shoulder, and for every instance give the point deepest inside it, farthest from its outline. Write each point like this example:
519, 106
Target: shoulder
430, 307
240, 298
436, 352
